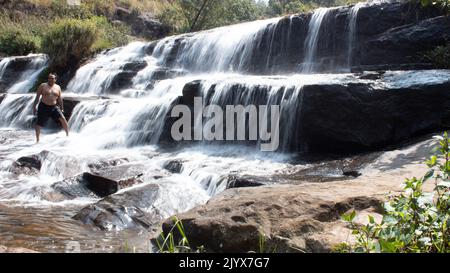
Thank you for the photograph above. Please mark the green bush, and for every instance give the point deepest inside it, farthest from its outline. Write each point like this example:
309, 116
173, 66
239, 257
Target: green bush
68, 41
439, 56
17, 42
173, 16
109, 35
415, 221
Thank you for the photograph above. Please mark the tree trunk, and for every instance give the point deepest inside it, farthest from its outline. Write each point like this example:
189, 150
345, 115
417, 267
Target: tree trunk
198, 15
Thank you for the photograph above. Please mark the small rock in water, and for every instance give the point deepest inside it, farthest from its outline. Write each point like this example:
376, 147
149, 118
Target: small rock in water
173, 166
101, 186
126, 183
351, 173
70, 188
30, 162
90, 186
241, 182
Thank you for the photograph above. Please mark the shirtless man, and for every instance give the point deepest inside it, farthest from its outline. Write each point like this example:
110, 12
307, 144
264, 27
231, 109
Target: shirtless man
51, 105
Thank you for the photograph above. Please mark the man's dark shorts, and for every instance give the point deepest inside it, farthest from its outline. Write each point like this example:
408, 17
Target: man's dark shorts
45, 112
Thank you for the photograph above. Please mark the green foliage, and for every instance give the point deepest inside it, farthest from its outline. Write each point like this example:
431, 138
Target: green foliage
69, 41
265, 245
415, 221
439, 56
282, 7
185, 15
16, 41
109, 35
167, 244
299, 7
444, 4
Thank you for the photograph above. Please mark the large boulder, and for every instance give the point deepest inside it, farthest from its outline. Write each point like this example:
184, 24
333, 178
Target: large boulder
358, 117
299, 218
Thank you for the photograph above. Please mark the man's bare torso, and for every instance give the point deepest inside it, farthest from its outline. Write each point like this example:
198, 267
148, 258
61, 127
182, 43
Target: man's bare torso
50, 94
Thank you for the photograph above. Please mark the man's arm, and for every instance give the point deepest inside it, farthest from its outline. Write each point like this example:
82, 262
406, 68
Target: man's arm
36, 100
60, 101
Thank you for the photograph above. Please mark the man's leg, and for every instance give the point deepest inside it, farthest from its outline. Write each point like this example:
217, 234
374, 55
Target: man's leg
64, 125
38, 132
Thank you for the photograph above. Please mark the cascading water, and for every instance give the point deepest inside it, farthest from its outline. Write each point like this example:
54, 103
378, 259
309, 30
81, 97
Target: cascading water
226, 49
28, 78
254, 63
24, 80
312, 40
16, 111
353, 17
125, 122
96, 76
3, 64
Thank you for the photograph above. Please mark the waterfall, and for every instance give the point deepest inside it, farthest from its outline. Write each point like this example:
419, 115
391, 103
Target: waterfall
3, 64
353, 17
17, 111
22, 81
127, 121
225, 49
312, 39
29, 77
285, 91
96, 76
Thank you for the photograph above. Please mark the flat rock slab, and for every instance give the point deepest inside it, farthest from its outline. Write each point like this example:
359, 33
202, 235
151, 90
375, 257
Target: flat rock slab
299, 218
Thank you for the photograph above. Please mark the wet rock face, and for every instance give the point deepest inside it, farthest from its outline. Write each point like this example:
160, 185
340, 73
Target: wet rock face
382, 40
130, 209
402, 44
27, 165
69, 105
71, 188
99, 185
124, 78
382, 109
30, 162
355, 118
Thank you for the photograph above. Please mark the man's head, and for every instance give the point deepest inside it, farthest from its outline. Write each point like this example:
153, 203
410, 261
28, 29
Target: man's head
51, 78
